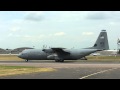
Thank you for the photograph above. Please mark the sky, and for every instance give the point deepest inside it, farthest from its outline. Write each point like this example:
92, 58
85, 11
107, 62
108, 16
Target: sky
68, 29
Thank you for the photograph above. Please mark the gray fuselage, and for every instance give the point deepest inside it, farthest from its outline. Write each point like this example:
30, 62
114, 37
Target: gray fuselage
38, 54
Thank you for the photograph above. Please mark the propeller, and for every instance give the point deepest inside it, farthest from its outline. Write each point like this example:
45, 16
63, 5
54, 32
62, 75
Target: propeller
44, 47
47, 50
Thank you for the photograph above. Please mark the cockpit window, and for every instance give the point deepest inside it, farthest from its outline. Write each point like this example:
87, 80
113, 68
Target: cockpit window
25, 51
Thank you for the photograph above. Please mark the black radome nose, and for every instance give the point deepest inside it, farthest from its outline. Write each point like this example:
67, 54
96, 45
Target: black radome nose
19, 55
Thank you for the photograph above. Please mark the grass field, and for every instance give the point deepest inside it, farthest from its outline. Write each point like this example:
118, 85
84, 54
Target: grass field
104, 58
9, 57
14, 57
13, 70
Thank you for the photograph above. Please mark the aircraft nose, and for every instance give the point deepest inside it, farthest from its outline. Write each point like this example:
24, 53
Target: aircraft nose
19, 55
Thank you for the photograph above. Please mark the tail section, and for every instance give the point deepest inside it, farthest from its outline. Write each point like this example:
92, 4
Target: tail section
102, 42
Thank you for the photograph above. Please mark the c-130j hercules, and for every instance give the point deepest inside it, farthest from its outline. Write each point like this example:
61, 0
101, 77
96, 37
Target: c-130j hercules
61, 54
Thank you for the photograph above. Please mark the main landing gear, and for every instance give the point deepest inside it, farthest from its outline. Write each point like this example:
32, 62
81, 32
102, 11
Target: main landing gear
59, 60
85, 58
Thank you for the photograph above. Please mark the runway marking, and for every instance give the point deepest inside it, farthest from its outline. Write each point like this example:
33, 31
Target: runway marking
97, 73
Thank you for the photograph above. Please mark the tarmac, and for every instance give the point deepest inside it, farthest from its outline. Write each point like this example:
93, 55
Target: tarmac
68, 70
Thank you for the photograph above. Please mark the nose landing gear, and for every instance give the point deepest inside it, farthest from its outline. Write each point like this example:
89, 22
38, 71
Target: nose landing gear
26, 60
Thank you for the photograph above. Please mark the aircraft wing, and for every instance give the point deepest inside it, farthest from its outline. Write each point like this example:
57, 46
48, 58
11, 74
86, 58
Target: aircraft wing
60, 51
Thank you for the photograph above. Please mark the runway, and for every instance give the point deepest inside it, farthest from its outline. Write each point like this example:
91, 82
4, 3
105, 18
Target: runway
68, 70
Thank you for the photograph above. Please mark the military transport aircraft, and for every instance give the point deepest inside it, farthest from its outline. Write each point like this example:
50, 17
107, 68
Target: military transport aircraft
61, 54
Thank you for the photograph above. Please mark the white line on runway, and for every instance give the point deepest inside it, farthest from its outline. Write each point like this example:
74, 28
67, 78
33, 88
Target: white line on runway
97, 73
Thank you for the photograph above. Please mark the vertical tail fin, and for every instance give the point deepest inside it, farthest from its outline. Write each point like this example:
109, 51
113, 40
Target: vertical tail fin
102, 41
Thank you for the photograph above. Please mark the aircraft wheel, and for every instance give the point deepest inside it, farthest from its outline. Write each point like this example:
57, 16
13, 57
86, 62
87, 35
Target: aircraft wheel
85, 58
61, 60
56, 60
26, 60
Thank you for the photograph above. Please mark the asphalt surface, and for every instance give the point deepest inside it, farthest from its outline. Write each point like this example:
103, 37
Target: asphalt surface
68, 70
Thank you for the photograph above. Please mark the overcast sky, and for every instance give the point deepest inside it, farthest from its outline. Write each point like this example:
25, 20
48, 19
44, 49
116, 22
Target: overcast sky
78, 29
